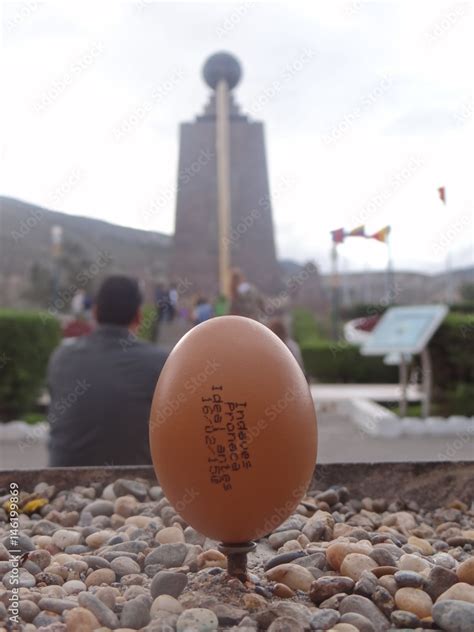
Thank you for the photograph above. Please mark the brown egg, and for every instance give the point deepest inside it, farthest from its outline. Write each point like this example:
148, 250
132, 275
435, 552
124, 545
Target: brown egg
233, 429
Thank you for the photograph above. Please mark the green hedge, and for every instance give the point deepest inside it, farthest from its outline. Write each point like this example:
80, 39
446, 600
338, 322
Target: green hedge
332, 362
360, 310
467, 307
147, 327
451, 355
304, 326
26, 342
452, 360
371, 309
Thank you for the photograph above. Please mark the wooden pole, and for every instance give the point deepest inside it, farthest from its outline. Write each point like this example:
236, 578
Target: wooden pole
335, 292
426, 372
223, 184
389, 278
403, 371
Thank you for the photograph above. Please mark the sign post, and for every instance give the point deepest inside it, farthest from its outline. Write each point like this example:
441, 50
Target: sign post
426, 372
408, 330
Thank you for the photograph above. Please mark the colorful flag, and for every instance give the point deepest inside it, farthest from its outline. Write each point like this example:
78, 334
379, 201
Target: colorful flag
382, 234
338, 235
442, 194
357, 232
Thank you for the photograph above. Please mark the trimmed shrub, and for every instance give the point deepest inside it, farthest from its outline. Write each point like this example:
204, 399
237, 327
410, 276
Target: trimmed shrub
147, 329
452, 360
26, 342
457, 401
304, 326
332, 362
466, 307
451, 356
363, 309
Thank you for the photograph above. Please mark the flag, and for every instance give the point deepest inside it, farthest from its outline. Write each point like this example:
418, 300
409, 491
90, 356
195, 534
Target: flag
442, 194
382, 234
338, 235
357, 232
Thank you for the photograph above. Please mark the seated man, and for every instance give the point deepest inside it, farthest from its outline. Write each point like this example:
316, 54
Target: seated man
102, 386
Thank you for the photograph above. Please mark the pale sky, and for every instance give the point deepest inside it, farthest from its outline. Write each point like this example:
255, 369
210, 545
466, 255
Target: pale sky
368, 109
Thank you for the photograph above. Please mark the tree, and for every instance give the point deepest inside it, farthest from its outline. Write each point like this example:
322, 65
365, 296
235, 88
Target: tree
38, 291
72, 268
467, 292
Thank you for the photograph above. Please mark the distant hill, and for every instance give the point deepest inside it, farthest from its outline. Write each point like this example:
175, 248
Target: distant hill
25, 241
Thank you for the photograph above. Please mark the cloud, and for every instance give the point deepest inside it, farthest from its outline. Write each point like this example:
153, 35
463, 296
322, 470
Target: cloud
426, 110
425, 122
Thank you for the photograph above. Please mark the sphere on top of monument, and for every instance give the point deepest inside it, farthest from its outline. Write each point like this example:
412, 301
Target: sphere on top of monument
219, 66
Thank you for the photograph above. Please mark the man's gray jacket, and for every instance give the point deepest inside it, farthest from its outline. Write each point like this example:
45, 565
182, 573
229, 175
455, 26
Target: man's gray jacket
101, 388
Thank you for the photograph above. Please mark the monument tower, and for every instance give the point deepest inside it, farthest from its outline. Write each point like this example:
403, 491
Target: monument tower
223, 206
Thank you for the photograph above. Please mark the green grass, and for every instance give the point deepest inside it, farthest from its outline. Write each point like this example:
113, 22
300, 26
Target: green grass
33, 418
414, 410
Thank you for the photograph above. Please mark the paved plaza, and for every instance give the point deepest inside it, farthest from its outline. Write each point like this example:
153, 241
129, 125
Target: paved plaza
340, 441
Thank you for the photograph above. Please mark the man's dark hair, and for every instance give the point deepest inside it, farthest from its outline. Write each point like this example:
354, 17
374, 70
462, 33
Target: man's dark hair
118, 301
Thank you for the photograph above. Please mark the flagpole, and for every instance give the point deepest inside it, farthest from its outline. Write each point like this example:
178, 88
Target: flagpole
448, 292
335, 292
449, 280
390, 284
449, 276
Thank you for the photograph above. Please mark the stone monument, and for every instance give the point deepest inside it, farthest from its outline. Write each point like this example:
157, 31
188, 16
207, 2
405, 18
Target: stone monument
223, 205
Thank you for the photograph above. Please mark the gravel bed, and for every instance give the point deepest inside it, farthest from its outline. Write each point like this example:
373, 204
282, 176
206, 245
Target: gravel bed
119, 558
